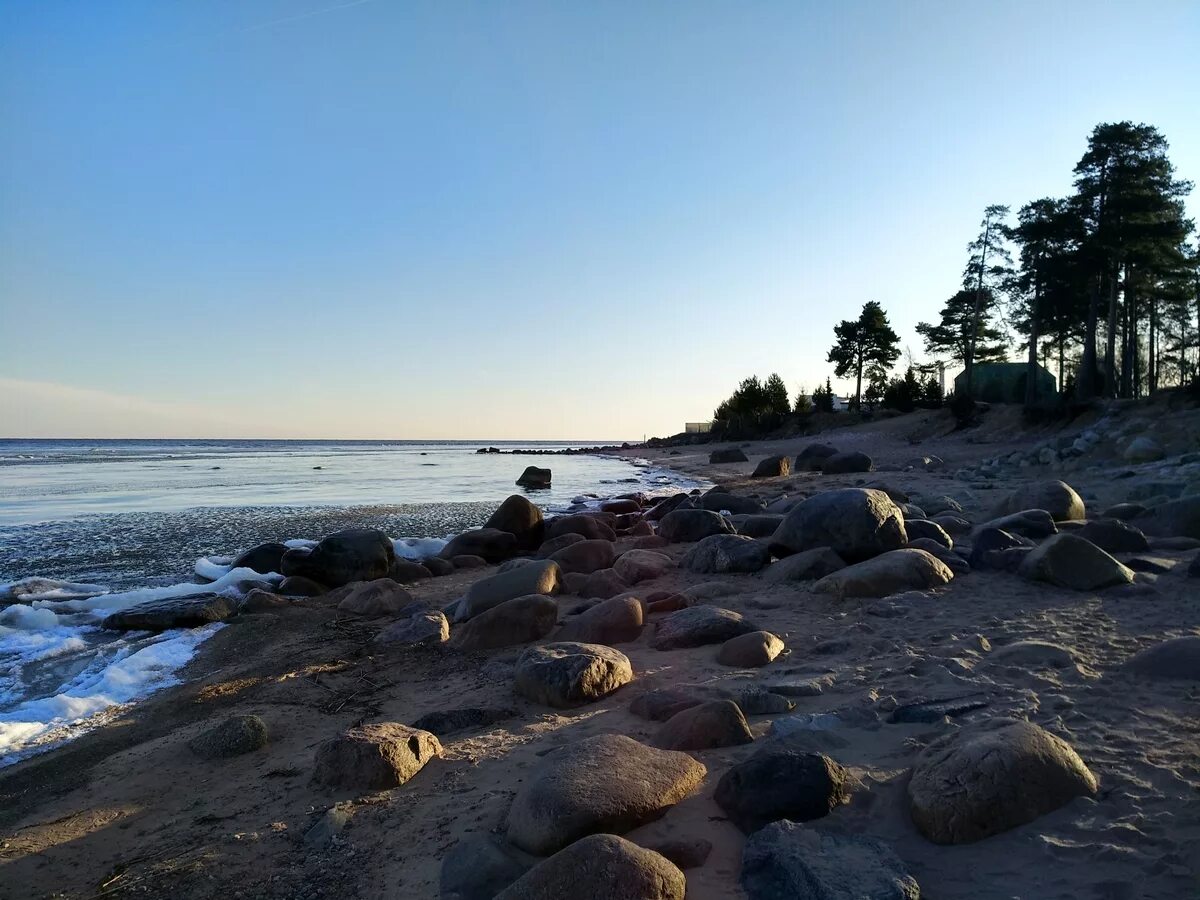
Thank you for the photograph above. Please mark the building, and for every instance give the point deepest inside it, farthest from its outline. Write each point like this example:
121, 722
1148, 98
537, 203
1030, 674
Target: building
697, 427
1005, 382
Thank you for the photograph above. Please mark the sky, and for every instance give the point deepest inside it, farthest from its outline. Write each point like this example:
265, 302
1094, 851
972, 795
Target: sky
383, 219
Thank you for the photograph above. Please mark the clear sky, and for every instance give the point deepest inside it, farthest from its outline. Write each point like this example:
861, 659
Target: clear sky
379, 219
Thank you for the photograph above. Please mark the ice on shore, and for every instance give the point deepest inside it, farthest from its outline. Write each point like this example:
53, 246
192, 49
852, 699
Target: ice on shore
107, 603
29, 589
419, 548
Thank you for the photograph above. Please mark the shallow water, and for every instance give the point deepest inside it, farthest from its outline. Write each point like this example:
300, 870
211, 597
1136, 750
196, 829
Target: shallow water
137, 516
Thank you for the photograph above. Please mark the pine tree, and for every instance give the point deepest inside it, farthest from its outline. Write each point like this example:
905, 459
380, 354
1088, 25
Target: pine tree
988, 262
951, 337
776, 396
866, 345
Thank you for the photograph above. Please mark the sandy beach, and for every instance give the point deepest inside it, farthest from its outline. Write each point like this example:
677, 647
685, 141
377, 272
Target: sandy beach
131, 810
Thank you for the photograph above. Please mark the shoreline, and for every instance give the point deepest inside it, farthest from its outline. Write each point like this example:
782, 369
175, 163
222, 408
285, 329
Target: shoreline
110, 801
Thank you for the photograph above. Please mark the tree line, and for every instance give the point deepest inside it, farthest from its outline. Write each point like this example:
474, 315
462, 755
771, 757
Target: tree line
1104, 289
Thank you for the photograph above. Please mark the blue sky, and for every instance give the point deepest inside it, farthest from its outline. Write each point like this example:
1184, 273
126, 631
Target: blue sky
564, 220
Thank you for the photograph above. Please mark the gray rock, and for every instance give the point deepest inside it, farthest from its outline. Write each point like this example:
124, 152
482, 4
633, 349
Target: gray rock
683, 526
718, 501
566, 675
374, 757
1114, 536
542, 577
781, 784
890, 573
923, 528
953, 561
233, 737
1178, 659
716, 723
1056, 497
723, 457
353, 554
787, 861
1143, 449
449, 721
1177, 518
1069, 561
588, 526
697, 626
614, 621
520, 518
516, 621
845, 463
773, 467
332, 823
585, 557
762, 525
660, 704
807, 565
1029, 523
636, 566
855, 523
381, 597
605, 783
480, 866
265, 558
724, 553
602, 585
812, 457
991, 776
493, 545
535, 477
424, 627
173, 612
751, 650
552, 546
600, 867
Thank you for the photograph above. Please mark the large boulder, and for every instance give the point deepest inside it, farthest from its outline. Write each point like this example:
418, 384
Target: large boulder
600, 867
717, 723
479, 866
750, 650
1143, 449
405, 571
697, 626
812, 457
787, 861
491, 544
856, 523
172, 612
534, 477
585, 557
381, 597
991, 776
759, 525
1069, 561
1114, 536
995, 548
845, 463
807, 565
568, 674
722, 457
897, 570
593, 528
636, 566
773, 467
354, 554
923, 528
686, 525
1056, 497
425, 627
1034, 524
374, 757
666, 505
602, 584
615, 621
520, 518
1178, 658
265, 558
540, 577
232, 737
722, 553
781, 784
718, 501
605, 783
516, 621
1177, 518
554, 544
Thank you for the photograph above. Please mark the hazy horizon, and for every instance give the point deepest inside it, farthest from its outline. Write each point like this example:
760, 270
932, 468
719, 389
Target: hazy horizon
362, 220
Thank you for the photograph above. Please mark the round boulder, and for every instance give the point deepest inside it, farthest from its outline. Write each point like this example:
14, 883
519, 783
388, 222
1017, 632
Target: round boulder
636, 566
845, 463
520, 518
898, 570
773, 467
683, 526
1069, 561
1178, 658
567, 674
354, 554
534, 477
750, 650
600, 867
781, 784
1056, 497
722, 457
374, 757
516, 621
992, 776
723, 553
585, 557
717, 723
540, 577
697, 626
615, 621
382, 597
233, 737
490, 544
812, 457
855, 523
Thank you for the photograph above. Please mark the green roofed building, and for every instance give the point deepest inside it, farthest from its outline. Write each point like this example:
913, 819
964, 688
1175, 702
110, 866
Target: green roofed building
1005, 382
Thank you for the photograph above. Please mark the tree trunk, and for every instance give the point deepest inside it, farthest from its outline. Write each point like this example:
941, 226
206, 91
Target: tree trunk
1110, 372
858, 387
1031, 392
1085, 384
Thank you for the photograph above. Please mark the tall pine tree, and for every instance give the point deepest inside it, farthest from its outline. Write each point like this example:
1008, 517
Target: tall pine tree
866, 345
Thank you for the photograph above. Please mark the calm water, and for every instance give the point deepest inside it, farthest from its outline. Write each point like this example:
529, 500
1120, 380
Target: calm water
133, 519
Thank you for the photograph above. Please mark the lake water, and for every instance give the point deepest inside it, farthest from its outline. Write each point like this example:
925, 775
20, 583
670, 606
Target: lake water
112, 523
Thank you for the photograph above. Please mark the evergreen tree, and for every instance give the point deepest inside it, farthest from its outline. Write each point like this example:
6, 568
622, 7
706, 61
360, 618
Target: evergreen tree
822, 398
776, 395
803, 402
951, 338
864, 345
988, 263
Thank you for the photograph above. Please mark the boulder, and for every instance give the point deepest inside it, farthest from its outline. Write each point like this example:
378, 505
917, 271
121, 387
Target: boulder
956, 563
1177, 518
845, 463
516, 621
604, 783
716, 723
807, 565
425, 627
520, 518
354, 554
374, 757
1034, 524
787, 861
731, 455
615, 621
697, 626
890, 573
750, 650
468, 561
991, 776
566, 674
552, 546
480, 866
585, 557
491, 544
533, 477
591, 527
952, 524
661, 704
381, 597
260, 601
812, 457
721, 501
1069, 561
1114, 536
1178, 658
444, 722
855, 523
761, 525
621, 506
405, 571
1143, 449
687, 853
264, 559
602, 585
723, 553
781, 784
666, 505
542, 577
773, 467
923, 528
636, 566
299, 586
600, 867
990, 546
686, 525
233, 737
1123, 511
1056, 497
1033, 655
172, 612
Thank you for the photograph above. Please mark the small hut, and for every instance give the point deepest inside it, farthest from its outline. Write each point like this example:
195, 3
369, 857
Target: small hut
1005, 382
